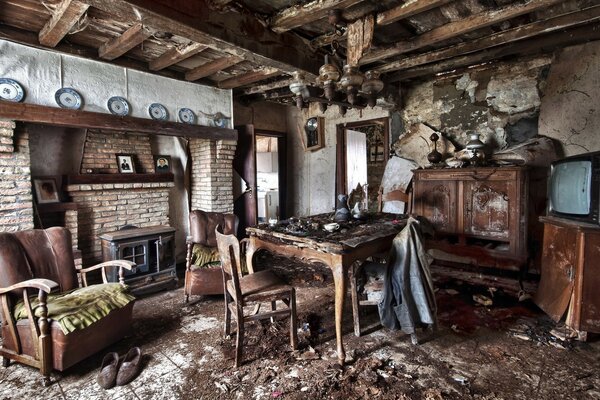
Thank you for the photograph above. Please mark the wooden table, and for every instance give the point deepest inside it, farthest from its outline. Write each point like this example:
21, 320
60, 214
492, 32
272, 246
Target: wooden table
338, 250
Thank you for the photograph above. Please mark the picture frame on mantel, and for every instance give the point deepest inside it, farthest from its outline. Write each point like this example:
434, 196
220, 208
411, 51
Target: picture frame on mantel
313, 134
46, 190
125, 163
162, 164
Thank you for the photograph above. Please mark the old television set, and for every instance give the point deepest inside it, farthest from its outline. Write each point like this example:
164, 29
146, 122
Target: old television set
574, 188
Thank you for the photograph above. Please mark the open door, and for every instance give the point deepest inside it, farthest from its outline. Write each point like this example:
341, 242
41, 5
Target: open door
244, 165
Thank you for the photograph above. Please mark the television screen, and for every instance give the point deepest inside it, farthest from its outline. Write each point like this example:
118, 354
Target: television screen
570, 184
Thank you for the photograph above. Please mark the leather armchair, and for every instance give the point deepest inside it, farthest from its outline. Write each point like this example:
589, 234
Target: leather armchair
42, 260
208, 280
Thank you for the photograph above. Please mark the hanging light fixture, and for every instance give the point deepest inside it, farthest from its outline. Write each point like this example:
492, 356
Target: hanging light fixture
371, 87
328, 76
300, 88
351, 81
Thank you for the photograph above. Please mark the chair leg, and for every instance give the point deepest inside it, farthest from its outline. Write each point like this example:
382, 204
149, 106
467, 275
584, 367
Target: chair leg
239, 343
5, 362
355, 304
227, 316
293, 320
273, 308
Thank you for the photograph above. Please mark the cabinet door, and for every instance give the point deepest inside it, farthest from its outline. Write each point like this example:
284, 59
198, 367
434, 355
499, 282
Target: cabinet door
436, 201
487, 208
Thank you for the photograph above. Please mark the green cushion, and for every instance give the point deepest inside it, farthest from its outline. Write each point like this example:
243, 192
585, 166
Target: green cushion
204, 257
79, 308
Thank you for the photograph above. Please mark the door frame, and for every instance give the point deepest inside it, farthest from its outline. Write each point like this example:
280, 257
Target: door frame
340, 162
282, 169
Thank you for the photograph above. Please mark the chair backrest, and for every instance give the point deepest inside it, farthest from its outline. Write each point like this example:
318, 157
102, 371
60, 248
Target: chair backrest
395, 195
229, 252
38, 253
203, 224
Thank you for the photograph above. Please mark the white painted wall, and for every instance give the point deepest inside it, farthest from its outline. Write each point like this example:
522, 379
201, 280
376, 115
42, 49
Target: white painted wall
42, 73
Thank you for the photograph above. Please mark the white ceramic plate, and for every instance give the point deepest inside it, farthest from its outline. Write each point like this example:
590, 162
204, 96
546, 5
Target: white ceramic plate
68, 98
158, 111
11, 90
118, 106
187, 116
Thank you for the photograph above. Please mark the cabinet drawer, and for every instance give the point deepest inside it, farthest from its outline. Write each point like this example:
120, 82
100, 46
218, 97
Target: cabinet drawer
480, 174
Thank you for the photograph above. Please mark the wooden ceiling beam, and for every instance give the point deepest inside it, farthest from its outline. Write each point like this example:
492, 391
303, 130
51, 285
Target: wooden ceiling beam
408, 9
302, 14
175, 55
248, 78
282, 83
63, 18
128, 40
512, 35
211, 67
457, 28
535, 45
234, 34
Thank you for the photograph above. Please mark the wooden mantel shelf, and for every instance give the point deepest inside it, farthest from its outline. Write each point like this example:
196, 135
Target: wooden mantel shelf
90, 179
86, 119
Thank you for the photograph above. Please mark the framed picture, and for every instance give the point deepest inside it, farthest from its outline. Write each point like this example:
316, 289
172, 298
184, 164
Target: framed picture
45, 190
125, 163
162, 164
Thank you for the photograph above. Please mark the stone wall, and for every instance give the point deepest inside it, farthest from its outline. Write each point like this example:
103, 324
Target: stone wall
101, 146
16, 207
212, 175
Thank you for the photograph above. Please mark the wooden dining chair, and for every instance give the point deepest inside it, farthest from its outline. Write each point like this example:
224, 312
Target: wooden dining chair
251, 289
395, 195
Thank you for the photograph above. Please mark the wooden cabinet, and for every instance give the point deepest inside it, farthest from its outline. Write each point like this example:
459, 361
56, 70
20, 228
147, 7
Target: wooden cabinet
152, 249
570, 274
480, 214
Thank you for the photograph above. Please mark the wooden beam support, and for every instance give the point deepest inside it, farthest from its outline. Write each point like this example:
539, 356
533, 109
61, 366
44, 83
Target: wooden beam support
175, 55
536, 45
283, 83
302, 14
85, 119
512, 35
227, 33
457, 28
211, 67
360, 37
128, 40
248, 78
63, 18
408, 9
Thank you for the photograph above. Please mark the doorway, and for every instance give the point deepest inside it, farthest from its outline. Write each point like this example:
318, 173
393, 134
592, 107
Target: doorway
362, 154
267, 178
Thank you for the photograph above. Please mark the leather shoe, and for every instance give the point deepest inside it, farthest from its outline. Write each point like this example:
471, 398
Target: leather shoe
108, 370
130, 366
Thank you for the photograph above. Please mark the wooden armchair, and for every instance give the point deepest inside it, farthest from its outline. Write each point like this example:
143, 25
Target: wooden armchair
206, 280
257, 287
42, 261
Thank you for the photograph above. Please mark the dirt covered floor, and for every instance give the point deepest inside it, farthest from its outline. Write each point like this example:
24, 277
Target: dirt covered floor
499, 351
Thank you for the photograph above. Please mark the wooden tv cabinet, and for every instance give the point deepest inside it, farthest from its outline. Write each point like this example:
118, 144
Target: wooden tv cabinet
479, 214
570, 276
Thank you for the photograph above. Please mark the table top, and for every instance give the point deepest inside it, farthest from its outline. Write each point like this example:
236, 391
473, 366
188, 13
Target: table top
309, 232
137, 232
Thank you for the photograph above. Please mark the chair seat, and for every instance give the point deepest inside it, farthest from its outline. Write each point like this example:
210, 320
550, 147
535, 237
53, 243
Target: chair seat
259, 285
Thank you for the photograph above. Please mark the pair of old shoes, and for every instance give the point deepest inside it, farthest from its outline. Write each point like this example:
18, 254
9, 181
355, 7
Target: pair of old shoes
110, 373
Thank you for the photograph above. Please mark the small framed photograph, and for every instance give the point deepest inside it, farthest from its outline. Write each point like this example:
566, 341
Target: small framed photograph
162, 164
45, 190
125, 163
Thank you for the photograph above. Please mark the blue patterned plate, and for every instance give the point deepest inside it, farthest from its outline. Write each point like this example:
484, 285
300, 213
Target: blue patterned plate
187, 116
158, 111
11, 90
118, 106
68, 98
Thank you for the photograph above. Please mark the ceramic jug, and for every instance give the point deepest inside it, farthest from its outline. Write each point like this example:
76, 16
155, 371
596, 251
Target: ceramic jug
342, 213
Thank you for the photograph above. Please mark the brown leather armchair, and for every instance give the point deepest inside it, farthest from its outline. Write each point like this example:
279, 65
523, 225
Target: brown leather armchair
206, 280
42, 260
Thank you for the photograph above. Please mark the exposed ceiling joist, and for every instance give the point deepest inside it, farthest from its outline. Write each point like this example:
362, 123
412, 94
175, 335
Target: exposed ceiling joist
500, 38
283, 83
211, 67
408, 9
175, 55
457, 28
226, 33
301, 14
64, 17
248, 78
128, 40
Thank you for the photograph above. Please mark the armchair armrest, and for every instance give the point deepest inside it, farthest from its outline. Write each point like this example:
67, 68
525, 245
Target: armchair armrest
45, 285
122, 264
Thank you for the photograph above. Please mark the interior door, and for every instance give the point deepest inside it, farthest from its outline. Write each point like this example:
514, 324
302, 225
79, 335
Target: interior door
244, 164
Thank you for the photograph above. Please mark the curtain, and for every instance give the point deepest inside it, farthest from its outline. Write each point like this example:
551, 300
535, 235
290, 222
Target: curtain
356, 159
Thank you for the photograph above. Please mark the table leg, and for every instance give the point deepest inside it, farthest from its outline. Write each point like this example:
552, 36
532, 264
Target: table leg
339, 280
250, 250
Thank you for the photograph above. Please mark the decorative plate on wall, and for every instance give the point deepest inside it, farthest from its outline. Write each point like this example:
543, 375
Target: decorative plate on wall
11, 90
68, 98
158, 111
187, 116
118, 105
